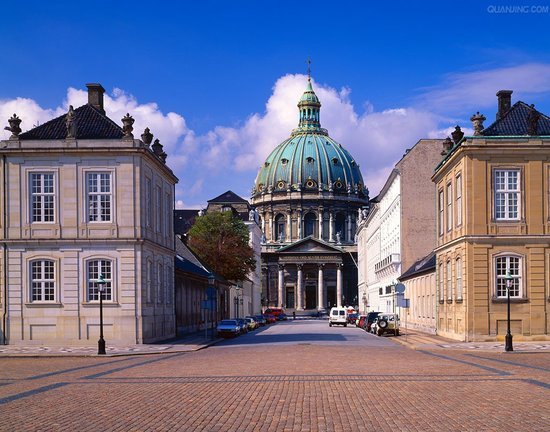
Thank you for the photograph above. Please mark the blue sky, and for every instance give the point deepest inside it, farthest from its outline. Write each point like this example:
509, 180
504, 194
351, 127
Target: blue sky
230, 73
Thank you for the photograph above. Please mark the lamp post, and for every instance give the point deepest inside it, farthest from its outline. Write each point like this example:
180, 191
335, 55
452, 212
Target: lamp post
101, 288
508, 338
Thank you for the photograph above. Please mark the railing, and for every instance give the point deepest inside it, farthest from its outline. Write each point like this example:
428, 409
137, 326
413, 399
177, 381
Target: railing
392, 259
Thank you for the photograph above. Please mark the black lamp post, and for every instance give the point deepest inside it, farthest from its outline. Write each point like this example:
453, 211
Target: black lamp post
508, 338
101, 288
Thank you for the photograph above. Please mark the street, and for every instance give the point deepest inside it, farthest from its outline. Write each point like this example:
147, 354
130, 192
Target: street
291, 376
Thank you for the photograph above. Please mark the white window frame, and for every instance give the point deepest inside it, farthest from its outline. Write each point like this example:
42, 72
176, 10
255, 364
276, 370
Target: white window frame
506, 195
458, 276
503, 263
43, 197
94, 198
45, 284
458, 193
441, 212
449, 191
105, 267
449, 286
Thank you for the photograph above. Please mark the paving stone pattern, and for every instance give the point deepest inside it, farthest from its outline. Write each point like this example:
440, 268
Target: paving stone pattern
279, 388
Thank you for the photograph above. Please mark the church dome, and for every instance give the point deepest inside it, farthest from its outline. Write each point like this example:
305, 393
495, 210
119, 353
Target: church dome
310, 160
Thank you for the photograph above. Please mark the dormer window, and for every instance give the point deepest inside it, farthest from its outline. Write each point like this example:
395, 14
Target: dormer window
266, 164
310, 160
284, 161
310, 184
338, 185
335, 161
280, 184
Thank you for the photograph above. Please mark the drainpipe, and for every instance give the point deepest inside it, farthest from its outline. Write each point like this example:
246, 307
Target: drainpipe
4, 252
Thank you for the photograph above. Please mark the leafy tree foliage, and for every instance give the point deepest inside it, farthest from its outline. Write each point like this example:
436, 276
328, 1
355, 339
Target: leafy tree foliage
220, 240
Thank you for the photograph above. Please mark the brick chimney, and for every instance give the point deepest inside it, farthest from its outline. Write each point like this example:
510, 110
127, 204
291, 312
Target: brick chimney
504, 102
95, 96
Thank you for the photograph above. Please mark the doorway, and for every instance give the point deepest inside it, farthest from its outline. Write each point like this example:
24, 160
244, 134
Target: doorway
311, 297
331, 296
290, 298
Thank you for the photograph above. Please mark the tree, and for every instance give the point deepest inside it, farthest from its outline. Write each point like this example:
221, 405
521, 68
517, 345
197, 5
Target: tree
220, 240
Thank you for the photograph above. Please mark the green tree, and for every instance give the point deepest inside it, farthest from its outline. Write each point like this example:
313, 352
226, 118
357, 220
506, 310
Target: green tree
220, 240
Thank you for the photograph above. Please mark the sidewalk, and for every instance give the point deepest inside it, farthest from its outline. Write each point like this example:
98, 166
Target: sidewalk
187, 343
417, 340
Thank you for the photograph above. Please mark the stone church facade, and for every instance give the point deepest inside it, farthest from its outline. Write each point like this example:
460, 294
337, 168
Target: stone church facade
308, 194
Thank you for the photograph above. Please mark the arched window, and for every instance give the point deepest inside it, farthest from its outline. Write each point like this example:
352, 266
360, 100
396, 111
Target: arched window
280, 227
42, 281
340, 225
309, 224
95, 269
503, 265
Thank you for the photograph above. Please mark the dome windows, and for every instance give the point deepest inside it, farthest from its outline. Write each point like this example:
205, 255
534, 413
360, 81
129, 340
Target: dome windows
310, 160
280, 184
335, 161
284, 161
266, 164
310, 184
338, 184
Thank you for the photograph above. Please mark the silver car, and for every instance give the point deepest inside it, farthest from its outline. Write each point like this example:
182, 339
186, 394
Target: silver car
228, 328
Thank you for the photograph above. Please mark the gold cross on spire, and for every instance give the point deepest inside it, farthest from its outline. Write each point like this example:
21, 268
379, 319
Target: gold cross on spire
308, 69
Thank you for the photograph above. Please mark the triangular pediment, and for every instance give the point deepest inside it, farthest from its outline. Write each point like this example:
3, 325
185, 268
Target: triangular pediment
309, 245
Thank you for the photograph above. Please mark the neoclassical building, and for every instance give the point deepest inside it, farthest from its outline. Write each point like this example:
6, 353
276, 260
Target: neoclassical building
308, 194
81, 198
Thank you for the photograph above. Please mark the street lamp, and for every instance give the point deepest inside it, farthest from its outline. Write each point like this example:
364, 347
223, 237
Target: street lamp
508, 338
101, 288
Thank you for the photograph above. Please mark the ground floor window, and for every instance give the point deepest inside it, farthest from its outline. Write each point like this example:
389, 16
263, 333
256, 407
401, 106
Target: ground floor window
503, 265
43, 281
99, 270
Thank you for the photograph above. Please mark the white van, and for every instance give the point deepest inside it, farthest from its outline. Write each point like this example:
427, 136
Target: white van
338, 315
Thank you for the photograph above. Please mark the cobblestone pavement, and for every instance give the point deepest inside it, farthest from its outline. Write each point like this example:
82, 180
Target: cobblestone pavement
336, 385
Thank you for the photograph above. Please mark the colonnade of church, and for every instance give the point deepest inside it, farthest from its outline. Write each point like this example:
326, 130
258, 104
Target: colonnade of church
300, 288
334, 226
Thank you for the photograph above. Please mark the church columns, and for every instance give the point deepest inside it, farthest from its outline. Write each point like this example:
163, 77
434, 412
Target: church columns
264, 215
299, 223
272, 227
281, 286
339, 285
348, 238
299, 288
288, 227
321, 289
320, 224
331, 227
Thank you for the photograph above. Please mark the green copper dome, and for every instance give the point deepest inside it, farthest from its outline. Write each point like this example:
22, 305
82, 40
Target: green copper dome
310, 160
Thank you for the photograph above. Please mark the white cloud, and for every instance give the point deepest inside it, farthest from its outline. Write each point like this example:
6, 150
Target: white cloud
471, 91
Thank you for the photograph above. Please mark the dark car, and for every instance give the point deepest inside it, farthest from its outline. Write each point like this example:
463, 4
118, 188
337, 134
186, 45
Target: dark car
361, 320
228, 328
369, 320
270, 318
261, 320
352, 318
282, 317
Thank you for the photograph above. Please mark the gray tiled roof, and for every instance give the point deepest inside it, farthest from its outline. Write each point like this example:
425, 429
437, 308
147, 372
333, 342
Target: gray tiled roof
91, 124
228, 198
423, 265
514, 122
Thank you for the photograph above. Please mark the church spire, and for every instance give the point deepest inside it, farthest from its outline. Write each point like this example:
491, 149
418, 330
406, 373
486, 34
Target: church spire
309, 105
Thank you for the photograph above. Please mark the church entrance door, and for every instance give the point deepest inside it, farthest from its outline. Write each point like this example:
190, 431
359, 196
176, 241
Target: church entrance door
290, 298
331, 296
311, 297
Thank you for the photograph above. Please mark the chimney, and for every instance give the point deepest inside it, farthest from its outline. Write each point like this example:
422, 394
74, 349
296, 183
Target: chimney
95, 96
504, 102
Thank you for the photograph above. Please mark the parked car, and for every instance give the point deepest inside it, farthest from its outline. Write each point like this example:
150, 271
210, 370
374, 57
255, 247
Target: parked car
352, 318
275, 311
338, 315
282, 317
371, 316
243, 324
387, 323
270, 318
361, 320
255, 322
261, 320
228, 328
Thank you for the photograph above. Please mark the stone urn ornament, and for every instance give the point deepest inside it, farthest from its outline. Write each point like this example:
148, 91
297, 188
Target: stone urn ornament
147, 137
127, 125
13, 127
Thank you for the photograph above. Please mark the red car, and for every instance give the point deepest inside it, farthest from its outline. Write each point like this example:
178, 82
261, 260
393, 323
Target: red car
270, 318
361, 321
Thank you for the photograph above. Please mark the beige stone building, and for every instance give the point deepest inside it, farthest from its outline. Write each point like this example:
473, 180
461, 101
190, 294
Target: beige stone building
493, 218
399, 229
81, 197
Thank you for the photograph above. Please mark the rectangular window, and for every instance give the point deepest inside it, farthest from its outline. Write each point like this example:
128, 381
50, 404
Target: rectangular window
158, 198
441, 286
458, 270
503, 264
449, 207
42, 281
441, 210
147, 206
449, 281
507, 194
99, 270
99, 197
458, 192
160, 285
149, 282
42, 197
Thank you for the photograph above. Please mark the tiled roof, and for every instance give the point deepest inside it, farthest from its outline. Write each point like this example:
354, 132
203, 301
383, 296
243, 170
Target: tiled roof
184, 220
515, 122
423, 265
91, 124
228, 197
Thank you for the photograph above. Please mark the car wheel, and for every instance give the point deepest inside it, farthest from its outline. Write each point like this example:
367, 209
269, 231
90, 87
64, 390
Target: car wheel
330, 324
397, 332
382, 324
346, 324
380, 332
